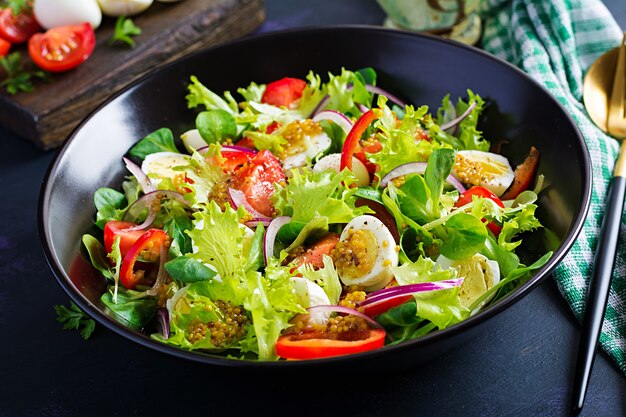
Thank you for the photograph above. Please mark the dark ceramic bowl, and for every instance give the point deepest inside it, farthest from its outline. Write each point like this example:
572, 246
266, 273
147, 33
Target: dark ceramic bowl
422, 69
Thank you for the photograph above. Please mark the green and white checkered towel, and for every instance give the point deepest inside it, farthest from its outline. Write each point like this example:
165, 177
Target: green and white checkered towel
555, 42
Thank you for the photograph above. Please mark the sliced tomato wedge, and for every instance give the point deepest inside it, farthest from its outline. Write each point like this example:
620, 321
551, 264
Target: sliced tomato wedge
17, 29
283, 92
257, 179
382, 307
314, 255
4, 47
524, 175
119, 228
233, 160
62, 48
479, 191
351, 144
314, 346
147, 247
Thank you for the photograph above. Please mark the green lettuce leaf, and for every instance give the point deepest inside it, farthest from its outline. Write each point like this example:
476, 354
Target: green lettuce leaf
199, 95
325, 277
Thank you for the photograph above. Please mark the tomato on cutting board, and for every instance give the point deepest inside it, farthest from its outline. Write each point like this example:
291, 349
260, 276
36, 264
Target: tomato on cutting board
62, 48
17, 29
4, 47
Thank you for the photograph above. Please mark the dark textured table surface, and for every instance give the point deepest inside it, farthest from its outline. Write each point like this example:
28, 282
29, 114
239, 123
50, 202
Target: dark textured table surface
521, 365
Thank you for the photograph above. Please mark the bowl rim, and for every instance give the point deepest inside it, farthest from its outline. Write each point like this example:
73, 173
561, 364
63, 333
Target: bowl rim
425, 341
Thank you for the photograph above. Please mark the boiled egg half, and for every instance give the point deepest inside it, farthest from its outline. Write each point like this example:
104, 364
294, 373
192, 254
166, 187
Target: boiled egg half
479, 275
305, 140
485, 169
55, 13
160, 165
333, 162
365, 254
310, 294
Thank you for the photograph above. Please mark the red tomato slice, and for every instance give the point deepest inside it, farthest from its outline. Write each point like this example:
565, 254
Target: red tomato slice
295, 347
479, 191
354, 136
283, 92
257, 179
4, 47
147, 246
234, 160
246, 142
379, 308
63, 48
115, 228
314, 255
17, 29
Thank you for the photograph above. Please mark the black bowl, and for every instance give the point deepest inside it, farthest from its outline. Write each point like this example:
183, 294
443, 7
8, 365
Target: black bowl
422, 69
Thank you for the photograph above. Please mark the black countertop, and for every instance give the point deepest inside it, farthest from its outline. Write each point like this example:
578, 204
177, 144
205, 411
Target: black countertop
521, 365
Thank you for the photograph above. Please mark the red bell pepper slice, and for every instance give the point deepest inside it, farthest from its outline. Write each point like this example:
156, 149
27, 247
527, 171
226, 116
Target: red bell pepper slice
147, 246
354, 136
316, 346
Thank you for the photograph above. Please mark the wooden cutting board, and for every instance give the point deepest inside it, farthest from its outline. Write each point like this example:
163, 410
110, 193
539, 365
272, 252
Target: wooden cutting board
48, 114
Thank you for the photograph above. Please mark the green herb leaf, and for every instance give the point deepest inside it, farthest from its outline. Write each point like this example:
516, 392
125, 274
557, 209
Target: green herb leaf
17, 6
98, 256
73, 318
161, 140
216, 126
466, 236
131, 307
187, 269
125, 28
18, 77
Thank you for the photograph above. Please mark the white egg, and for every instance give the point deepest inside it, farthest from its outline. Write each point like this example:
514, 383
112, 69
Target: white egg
192, 140
479, 275
311, 146
55, 13
365, 253
123, 7
310, 294
333, 162
161, 165
486, 169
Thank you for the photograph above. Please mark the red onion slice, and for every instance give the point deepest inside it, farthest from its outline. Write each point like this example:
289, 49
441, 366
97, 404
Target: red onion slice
163, 320
417, 168
270, 236
363, 108
336, 117
381, 92
448, 127
402, 290
152, 202
238, 198
142, 178
344, 310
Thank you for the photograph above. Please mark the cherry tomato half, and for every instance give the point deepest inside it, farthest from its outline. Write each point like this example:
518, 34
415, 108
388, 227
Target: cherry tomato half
524, 174
316, 346
62, 48
119, 228
283, 92
4, 47
314, 255
257, 179
479, 191
148, 246
17, 29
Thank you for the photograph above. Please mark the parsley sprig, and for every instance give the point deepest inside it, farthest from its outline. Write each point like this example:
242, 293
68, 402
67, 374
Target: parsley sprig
73, 318
18, 78
125, 28
17, 6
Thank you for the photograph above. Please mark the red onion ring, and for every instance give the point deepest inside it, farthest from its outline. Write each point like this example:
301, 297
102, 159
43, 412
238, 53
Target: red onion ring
164, 322
363, 108
336, 117
146, 185
402, 290
151, 201
238, 198
344, 310
455, 122
371, 88
270, 236
417, 168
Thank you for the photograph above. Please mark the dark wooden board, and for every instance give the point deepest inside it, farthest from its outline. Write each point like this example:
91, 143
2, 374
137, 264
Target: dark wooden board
48, 114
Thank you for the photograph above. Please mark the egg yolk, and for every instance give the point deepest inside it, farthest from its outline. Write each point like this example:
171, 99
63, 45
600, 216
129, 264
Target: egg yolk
295, 133
355, 256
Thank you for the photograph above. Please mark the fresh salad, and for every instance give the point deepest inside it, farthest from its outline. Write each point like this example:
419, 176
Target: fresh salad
311, 219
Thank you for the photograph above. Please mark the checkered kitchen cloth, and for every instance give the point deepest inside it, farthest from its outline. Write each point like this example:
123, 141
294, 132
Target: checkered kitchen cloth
555, 42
